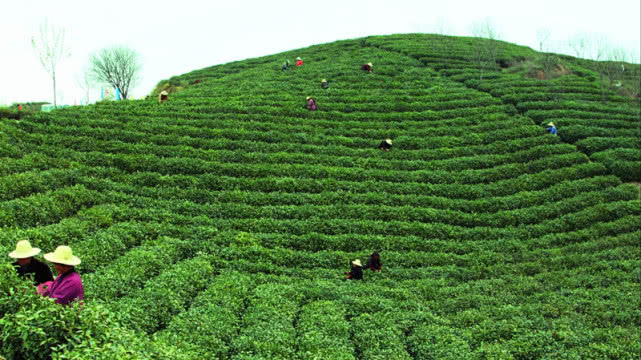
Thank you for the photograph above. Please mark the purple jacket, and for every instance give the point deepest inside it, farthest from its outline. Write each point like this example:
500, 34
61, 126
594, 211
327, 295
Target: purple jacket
66, 288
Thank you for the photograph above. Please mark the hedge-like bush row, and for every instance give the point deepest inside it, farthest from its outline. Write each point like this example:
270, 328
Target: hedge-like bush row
267, 330
323, 332
377, 336
47, 208
213, 321
150, 309
131, 270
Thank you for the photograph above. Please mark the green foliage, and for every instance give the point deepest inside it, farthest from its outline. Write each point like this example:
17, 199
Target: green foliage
220, 225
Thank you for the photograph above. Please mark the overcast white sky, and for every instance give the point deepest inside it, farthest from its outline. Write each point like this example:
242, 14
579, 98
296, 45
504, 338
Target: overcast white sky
174, 37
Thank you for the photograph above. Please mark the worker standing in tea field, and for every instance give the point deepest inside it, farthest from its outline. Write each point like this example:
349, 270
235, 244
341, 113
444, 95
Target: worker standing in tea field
26, 264
286, 65
324, 84
67, 287
163, 97
374, 262
356, 273
367, 67
311, 104
385, 145
299, 61
551, 128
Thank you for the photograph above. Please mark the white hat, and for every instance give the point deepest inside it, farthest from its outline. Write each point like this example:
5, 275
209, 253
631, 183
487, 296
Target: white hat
550, 124
389, 141
63, 255
324, 80
370, 64
24, 250
357, 262
309, 97
298, 58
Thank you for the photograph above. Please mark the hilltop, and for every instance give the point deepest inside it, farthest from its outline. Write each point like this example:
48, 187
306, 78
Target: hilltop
220, 224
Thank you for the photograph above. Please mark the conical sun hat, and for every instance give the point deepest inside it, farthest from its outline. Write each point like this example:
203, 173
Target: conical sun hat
63, 255
309, 97
324, 80
164, 92
389, 141
298, 58
357, 262
24, 250
550, 124
370, 64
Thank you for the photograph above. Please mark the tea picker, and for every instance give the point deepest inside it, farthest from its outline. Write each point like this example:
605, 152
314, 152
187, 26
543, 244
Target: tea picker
367, 67
551, 128
26, 264
67, 287
356, 272
374, 262
385, 145
163, 97
311, 104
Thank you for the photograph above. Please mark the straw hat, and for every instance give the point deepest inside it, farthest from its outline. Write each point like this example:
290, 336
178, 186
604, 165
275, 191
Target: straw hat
24, 250
370, 64
164, 92
389, 141
324, 80
298, 58
550, 124
63, 255
357, 262
309, 97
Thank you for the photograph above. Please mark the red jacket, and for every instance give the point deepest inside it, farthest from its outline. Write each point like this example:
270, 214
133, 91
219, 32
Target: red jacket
299, 62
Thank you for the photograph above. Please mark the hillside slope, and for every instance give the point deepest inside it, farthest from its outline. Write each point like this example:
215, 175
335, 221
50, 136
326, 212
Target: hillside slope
221, 223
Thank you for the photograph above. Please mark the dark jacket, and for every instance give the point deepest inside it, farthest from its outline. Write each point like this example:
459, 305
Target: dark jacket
324, 85
374, 264
41, 272
384, 145
366, 67
356, 273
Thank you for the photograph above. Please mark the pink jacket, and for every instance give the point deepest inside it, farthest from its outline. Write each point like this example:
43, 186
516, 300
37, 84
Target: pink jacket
66, 288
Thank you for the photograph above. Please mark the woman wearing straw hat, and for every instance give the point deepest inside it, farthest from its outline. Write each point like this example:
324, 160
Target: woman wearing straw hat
311, 104
551, 128
163, 97
385, 145
356, 273
299, 61
26, 264
67, 287
367, 67
324, 84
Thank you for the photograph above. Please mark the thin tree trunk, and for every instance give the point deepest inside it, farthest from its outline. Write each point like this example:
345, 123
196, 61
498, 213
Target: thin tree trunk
54, 91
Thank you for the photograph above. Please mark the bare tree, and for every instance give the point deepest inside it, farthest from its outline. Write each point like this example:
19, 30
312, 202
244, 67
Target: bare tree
580, 44
86, 83
117, 66
543, 35
485, 51
614, 67
548, 60
50, 47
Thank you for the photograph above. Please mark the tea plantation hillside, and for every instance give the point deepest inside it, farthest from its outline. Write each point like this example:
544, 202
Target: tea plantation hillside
220, 225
